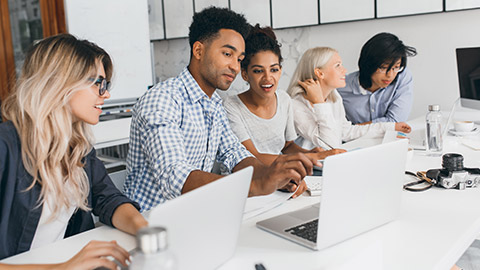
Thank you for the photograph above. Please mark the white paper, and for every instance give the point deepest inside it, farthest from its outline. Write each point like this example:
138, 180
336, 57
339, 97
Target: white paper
390, 136
474, 144
414, 138
261, 204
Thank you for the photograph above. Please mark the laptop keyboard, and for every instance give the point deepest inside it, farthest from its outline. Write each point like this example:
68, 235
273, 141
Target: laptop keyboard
314, 185
306, 231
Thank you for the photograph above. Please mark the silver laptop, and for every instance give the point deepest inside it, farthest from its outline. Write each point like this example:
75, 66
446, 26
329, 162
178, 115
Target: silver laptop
203, 225
361, 190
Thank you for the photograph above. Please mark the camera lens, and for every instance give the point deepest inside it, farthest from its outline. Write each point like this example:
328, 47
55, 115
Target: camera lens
452, 162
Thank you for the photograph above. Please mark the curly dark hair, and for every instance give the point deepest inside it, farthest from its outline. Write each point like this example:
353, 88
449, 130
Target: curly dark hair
207, 23
261, 39
380, 49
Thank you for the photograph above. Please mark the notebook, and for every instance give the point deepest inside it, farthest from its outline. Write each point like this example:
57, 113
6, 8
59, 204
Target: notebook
361, 190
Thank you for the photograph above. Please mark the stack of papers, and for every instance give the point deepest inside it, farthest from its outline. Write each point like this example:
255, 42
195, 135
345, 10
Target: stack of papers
471, 143
261, 204
415, 138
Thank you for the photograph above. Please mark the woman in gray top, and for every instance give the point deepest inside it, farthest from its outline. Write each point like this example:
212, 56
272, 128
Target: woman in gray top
261, 117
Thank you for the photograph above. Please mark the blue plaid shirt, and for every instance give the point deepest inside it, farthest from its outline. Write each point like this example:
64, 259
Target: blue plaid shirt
176, 128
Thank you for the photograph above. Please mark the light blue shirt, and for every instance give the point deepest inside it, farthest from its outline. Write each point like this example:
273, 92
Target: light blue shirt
390, 104
176, 128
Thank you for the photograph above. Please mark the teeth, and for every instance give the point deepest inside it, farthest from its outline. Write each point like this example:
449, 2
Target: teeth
99, 106
267, 85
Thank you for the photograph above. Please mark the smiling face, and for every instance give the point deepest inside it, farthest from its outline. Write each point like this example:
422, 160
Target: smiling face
263, 73
218, 60
85, 103
332, 75
381, 78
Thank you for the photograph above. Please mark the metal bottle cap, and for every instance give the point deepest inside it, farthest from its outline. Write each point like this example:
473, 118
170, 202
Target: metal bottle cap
434, 107
152, 239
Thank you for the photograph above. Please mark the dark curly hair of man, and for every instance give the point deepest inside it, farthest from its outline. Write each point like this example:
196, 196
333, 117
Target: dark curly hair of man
207, 23
261, 39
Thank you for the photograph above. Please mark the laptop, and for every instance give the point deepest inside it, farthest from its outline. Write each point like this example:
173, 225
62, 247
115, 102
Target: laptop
361, 190
203, 225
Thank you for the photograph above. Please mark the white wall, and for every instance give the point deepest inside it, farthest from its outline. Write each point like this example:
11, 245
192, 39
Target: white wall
435, 36
104, 23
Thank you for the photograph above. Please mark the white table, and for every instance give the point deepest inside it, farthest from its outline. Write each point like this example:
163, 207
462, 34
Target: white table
434, 229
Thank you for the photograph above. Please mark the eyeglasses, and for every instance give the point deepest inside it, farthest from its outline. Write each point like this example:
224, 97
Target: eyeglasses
102, 83
385, 69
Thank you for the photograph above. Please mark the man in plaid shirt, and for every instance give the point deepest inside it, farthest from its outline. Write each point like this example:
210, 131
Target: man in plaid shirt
179, 127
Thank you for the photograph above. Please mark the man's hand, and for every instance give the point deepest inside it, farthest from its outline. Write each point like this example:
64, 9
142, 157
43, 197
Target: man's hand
284, 169
291, 187
403, 127
364, 123
316, 150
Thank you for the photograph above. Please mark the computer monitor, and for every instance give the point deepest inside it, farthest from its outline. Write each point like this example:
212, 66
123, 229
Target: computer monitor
468, 66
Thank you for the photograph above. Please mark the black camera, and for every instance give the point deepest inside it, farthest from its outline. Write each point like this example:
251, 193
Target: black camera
453, 174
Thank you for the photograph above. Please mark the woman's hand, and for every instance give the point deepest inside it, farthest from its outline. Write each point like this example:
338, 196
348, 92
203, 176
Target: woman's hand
403, 127
95, 254
324, 154
313, 91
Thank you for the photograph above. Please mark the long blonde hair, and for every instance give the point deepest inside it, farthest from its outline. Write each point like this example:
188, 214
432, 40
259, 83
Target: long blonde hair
53, 144
313, 58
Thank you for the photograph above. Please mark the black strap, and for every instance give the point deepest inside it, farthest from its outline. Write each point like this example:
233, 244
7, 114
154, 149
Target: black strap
421, 179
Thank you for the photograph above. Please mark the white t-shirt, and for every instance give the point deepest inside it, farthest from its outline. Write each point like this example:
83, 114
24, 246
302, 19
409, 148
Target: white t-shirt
326, 122
51, 231
268, 135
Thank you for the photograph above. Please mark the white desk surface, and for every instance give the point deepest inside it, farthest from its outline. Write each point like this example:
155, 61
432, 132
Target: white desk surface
434, 229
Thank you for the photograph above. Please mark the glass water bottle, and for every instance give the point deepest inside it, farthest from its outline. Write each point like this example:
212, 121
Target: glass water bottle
434, 142
152, 250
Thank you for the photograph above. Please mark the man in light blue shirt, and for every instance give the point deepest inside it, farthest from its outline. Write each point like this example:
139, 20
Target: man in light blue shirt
382, 89
179, 127
389, 104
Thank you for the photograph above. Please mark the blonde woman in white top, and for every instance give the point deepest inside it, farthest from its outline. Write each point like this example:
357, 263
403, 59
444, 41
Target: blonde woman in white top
319, 114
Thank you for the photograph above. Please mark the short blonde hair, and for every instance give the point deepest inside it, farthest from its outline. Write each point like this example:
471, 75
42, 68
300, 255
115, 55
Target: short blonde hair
313, 58
53, 144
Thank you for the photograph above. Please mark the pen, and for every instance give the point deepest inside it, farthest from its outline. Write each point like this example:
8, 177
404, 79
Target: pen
328, 145
260, 266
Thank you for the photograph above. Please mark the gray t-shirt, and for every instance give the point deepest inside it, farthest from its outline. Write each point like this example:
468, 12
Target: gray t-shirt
268, 135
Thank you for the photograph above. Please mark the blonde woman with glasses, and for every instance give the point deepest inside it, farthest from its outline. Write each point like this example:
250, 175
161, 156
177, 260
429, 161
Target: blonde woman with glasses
319, 114
50, 178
